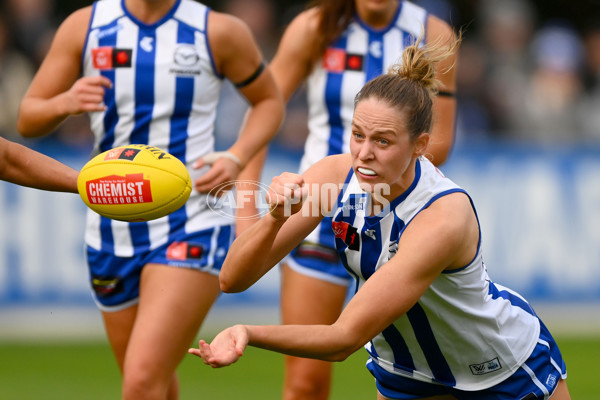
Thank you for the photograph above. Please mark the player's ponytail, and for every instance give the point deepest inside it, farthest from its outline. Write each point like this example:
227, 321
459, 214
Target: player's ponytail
411, 84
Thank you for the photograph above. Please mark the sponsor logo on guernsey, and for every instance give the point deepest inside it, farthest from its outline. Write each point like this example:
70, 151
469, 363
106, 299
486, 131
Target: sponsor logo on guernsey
184, 251
338, 61
348, 233
106, 58
485, 367
115, 189
186, 60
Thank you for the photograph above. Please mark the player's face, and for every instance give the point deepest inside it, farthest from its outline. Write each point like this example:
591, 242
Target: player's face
383, 155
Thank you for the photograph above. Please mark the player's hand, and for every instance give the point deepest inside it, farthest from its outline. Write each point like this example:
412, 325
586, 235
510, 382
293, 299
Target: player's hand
86, 95
286, 195
225, 349
223, 172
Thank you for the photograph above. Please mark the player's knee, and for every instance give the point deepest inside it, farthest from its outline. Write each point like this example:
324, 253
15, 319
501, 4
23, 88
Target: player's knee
140, 383
307, 379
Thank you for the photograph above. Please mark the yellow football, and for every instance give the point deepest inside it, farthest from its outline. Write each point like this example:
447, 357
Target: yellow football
134, 183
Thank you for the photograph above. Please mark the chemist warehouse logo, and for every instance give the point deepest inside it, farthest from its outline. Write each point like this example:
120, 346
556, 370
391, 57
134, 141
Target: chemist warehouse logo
115, 189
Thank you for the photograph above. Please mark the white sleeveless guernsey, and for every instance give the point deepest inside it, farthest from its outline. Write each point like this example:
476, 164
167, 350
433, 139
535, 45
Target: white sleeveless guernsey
465, 331
166, 90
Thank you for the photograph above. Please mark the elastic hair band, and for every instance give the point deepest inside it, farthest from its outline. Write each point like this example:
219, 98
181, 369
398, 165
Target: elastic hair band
252, 77
446, 94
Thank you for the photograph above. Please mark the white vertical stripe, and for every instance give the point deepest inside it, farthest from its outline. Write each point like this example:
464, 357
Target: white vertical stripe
125, 84
210, 258
122, 239
392, 48
164, 83
92, 231
412, 18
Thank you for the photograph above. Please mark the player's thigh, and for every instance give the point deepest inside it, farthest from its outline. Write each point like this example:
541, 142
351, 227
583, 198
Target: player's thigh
173, 303
309, 300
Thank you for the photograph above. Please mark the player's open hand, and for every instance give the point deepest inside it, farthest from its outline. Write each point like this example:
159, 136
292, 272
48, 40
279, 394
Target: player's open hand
225, 167
86, 95
226, 348
286, 195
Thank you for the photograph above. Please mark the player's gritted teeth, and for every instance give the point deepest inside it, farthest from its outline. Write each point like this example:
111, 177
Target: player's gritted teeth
366, 171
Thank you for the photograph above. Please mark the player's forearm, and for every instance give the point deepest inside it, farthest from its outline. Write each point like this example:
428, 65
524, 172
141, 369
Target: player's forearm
38, 117
246, 261
322, 342
32, 169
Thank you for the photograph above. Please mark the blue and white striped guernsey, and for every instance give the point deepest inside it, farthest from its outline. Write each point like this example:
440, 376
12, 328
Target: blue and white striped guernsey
359, 55
465, 331
166, 90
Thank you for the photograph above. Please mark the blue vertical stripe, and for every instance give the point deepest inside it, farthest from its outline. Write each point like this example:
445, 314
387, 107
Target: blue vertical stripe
370, 250
144, 86
374, 58
110, 121
110, 116
435, 359
144, 105
184, 98
333, 100
402, 356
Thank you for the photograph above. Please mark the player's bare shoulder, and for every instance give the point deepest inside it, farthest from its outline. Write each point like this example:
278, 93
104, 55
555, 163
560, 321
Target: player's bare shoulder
73, 30
227, 34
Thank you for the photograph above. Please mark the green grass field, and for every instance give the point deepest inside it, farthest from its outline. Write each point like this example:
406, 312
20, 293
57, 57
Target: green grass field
86, 371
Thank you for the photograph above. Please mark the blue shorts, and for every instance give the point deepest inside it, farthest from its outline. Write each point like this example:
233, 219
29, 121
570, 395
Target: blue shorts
116, 280
317, 256
536, 379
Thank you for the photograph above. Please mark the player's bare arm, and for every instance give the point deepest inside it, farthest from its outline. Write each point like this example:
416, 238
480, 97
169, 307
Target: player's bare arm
56, 92
266, 242
292, 63
26, 167
395, 288
238, 58
444, 105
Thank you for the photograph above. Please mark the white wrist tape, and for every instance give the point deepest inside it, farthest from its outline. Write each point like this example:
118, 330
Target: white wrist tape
210, 158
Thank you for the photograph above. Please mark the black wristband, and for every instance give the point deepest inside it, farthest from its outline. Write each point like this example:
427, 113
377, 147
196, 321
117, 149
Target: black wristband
252, 77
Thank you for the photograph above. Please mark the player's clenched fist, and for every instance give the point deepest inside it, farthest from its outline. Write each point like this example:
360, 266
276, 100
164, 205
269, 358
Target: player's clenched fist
286, 195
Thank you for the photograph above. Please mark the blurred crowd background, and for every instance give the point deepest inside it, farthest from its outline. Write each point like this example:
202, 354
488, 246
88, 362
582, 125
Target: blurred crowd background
529, 70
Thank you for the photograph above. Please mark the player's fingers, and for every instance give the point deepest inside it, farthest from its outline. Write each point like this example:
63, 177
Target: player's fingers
97, 80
